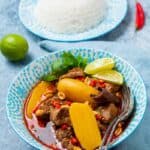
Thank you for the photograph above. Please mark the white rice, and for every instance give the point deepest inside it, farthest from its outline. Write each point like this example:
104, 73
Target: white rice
70, 16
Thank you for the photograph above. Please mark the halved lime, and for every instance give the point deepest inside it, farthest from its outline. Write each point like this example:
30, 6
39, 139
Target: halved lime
99, 65
110, 76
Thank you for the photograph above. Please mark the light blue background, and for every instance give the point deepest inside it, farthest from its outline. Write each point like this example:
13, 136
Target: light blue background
123, 41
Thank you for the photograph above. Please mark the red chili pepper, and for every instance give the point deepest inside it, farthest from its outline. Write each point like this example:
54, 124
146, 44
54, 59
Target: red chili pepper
81, 78
74, 141
102, 85
64, 126
56, 104
101, 81
140, 16
98, 117
93, 83
68, 103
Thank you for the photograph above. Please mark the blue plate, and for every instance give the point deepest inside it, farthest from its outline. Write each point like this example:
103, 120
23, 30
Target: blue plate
31, 74
117, 10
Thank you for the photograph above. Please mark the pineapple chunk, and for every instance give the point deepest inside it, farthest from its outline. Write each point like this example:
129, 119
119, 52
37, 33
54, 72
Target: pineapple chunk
35, 96
76, 90
85, 126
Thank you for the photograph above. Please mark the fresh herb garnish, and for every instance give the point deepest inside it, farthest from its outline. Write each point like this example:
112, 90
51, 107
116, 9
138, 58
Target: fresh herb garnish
49, 77
82, 62
66, 62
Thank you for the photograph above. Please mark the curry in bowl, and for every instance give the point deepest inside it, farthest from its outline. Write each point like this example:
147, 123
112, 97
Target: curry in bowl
72, 107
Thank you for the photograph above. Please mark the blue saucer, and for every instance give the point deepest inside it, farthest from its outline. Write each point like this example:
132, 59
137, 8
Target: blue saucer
117, 10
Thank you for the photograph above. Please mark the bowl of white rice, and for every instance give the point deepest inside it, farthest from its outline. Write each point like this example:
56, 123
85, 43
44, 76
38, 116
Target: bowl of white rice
70, 16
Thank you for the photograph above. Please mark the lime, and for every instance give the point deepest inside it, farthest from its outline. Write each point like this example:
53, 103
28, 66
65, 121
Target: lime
14, 47
110, 76
99, 64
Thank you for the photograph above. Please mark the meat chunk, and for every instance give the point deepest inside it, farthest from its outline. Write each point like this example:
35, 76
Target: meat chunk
112, 88
64, 136
60, 116
105, 97
67, 144
108, 112
75, 72
43, 109
61, 134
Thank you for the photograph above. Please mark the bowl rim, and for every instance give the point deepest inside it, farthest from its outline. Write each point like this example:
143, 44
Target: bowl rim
70, 50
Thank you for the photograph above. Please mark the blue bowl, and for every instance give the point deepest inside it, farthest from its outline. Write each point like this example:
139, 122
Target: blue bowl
31, 74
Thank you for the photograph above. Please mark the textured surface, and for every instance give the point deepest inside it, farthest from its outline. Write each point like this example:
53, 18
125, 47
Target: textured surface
132, 46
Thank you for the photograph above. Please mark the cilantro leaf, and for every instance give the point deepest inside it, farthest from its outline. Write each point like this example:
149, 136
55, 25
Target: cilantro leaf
82, 62
49, 77
66, 62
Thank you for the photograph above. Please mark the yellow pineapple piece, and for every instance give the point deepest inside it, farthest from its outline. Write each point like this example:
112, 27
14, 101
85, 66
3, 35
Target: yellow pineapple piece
35, 97
85, 126
76, 90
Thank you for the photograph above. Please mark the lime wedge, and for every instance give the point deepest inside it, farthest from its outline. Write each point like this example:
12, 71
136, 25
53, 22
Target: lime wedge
110, 76
99, 65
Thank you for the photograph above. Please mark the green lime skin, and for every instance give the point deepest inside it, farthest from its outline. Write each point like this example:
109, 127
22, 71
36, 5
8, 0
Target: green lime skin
14, 47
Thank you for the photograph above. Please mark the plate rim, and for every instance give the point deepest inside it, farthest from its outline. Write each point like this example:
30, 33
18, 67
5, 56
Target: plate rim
67, 37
